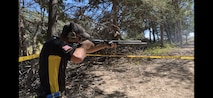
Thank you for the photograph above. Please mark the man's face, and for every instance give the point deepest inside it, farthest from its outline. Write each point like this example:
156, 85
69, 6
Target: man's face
78, 37
75, 38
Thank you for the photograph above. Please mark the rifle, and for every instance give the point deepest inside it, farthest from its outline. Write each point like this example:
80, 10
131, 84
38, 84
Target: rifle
119, 42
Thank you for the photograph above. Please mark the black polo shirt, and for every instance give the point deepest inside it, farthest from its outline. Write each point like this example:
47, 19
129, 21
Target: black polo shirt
53, 60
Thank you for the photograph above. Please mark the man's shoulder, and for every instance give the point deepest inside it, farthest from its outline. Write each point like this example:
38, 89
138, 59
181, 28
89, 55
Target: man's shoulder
55, 37
54, 40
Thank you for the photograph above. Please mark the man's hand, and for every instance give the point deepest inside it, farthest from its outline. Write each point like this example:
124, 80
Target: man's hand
112, 45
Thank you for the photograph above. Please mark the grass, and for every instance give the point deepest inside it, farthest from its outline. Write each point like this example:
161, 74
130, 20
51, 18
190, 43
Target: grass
156, 49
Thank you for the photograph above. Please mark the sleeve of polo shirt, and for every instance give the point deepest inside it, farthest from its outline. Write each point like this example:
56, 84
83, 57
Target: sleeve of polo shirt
69, 49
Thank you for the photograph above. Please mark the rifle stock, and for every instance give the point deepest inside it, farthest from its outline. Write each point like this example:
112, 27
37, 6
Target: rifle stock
119, 42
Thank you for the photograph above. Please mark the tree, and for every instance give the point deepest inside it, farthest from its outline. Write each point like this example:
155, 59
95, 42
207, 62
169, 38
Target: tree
52, 17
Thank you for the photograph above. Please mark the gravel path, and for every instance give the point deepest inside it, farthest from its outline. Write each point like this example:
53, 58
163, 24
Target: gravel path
129, 78
144, 78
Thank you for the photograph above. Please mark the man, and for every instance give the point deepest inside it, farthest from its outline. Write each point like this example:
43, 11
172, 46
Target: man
55, 54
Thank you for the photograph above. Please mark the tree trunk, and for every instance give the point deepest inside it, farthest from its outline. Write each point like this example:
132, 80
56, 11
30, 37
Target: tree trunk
150, 35
115, 12
22, 40
34, 44
180, 33
153, 34
52, 18
161, 34
168, 34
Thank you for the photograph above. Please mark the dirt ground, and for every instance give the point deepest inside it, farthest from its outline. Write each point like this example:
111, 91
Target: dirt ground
129, 78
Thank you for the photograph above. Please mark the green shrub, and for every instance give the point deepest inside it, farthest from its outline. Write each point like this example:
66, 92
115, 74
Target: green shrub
156, 49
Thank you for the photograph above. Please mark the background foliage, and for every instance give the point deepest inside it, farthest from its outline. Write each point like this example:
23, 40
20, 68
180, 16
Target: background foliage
164, 20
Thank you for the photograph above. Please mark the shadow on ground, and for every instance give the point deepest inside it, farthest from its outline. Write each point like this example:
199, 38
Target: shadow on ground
176, 70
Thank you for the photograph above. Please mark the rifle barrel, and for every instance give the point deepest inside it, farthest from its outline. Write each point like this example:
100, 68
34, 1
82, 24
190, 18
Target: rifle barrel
121, 42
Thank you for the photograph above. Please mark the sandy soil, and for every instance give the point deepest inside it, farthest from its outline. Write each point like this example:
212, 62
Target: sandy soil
130, 78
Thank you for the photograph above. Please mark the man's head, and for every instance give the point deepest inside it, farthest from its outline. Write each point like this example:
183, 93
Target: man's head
73, 32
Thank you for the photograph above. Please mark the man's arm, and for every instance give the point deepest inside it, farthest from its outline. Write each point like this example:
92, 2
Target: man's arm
80, 53
88, 47
100, 47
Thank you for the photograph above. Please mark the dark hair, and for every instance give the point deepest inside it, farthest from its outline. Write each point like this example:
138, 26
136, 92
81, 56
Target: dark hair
72, 27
